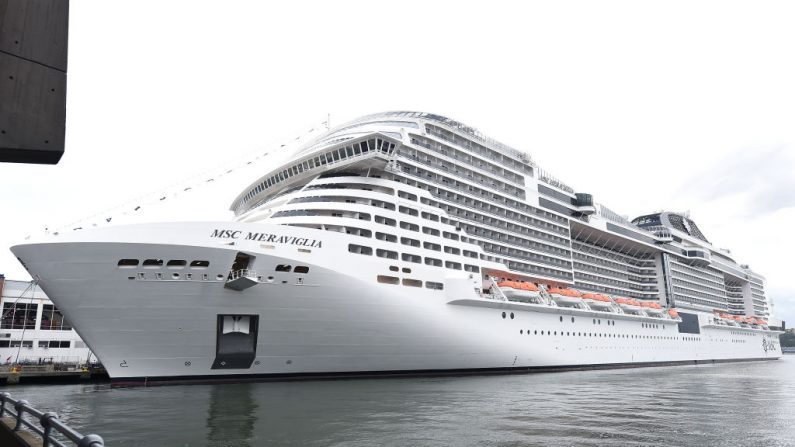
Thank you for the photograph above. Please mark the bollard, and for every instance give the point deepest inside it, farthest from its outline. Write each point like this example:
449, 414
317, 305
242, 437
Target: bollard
45, 420
20, 407
3, 397
91, 441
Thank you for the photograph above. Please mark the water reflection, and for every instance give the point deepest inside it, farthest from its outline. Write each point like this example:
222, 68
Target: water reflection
726, 404
231, 415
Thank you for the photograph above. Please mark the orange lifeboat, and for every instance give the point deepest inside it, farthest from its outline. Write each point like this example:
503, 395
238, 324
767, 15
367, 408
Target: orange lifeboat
673, 313
629, 305
566, 297
597, 301
520, 291
651, 308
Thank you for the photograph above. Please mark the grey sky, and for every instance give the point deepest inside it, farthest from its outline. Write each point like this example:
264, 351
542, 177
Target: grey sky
675, 105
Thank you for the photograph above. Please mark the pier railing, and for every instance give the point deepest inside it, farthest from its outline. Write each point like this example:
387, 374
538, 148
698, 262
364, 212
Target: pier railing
47, 422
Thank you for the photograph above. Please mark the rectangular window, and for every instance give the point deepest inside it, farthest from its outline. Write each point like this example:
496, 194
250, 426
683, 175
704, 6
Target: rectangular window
389, 254
452, 250
409, 226
385, 237
407, 210
409, 241
19, 316
434, 285
412, 282
450, 235
411, 258
453, 265
432, 246
360, 249
383, 279
433, 262
431, 231
385, 221
471, 268
470, 254
406, 195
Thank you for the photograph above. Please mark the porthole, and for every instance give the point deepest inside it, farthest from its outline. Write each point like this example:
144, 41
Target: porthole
394, 268
219, 277
128, 263
521, 331
561, 319
503, 315
535, 332
572, 319
511, 315
175, 275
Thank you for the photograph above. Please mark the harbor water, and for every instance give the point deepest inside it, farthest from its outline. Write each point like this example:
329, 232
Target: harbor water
728, 404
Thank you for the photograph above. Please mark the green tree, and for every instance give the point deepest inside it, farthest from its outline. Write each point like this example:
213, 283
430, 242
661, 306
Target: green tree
787, 340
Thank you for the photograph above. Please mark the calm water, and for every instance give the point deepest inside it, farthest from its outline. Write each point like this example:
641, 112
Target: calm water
710, 405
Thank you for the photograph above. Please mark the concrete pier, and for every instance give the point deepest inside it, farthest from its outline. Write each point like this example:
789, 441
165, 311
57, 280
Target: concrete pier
12, 375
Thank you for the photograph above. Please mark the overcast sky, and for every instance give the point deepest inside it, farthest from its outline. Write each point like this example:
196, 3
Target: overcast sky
646, 105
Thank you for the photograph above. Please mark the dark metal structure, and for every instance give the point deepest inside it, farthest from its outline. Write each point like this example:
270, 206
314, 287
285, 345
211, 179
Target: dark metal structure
33, 53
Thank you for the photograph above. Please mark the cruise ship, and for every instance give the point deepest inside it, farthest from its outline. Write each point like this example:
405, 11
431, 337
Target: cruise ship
403, 243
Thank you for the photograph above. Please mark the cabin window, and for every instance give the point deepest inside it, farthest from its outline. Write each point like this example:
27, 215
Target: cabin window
409, 226
406, 195
385, 221
453, 265
411, 258
153, 263
429, 216
389, 254
434, 285
450, 235
407, 210
284, 268
432, 246
199, 264
412, 282
410, 241
386, 237
452, 250
301, 269
383, 279
176, 264
431, 231
433, 261
393, 268
128, 263
471, 268
360, 249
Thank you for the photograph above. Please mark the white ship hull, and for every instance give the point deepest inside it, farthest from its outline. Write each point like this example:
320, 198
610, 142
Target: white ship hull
337, 318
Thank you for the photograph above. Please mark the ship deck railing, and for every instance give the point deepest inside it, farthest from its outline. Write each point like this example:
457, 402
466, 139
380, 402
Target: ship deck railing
45, 425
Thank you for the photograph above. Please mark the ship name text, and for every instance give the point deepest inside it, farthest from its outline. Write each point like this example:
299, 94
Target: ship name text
266, 237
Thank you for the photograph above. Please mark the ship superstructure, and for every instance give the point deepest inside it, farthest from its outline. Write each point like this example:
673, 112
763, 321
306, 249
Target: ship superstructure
404, 242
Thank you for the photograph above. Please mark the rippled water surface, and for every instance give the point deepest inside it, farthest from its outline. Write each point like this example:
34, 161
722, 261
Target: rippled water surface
706, 405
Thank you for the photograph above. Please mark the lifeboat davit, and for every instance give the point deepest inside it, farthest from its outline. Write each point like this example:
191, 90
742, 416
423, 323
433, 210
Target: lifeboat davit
653, 309
629, 305
597, 301
566, 297
673, 313
520, 291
